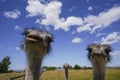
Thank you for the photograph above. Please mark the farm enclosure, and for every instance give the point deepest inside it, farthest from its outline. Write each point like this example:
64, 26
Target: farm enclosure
111, 74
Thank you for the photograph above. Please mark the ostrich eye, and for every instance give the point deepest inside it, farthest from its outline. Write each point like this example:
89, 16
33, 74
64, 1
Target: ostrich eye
107, 51
25, 32
89, 49
48, 40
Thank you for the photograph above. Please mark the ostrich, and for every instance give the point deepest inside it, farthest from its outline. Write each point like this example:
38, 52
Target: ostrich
66, 66
99, 56
36, 45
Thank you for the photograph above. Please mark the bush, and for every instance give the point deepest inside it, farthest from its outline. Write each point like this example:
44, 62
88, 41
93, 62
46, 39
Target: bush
49, 68
76, 67
4, 65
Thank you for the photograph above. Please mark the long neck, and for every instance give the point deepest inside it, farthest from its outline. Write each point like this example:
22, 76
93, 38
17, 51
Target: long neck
33, 67
98, 68
98, 73
66, 73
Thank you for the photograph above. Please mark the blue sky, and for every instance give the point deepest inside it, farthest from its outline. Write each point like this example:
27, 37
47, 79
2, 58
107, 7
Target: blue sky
74, 23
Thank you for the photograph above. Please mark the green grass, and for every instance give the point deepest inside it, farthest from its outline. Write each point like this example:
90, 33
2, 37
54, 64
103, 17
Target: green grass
111, 74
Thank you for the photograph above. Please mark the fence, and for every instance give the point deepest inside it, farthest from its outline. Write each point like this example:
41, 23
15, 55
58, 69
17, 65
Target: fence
17, 77
65, 66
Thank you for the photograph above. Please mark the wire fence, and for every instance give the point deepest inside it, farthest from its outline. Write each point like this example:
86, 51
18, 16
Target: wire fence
14, 78
65, 66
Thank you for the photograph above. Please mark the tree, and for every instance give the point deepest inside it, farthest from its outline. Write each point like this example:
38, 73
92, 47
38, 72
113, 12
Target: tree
70, 67
49, 68
4, 64
76, 67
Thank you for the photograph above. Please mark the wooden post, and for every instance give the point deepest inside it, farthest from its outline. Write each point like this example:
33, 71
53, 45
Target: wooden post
66, 66
15, 77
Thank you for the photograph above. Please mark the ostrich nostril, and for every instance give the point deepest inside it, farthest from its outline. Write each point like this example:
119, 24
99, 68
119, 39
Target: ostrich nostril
98, 52
25, 32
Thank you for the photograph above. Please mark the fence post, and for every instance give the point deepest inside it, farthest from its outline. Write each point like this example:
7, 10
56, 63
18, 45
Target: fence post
66, 66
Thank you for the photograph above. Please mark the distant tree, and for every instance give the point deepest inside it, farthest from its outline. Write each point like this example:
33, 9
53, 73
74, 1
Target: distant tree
76, 67
49, 68
59, 67
70, 67
85, 67
4, 64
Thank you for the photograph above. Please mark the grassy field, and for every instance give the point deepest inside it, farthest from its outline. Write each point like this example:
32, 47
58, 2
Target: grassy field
111, 74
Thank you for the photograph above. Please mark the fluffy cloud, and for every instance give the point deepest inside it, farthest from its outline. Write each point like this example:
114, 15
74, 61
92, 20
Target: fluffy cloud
18, 28
90, 8
73, 32
18, 48
12, 14
51, 12
104, 19
38, 21
77, 40
111, 38
115, 53
100, 34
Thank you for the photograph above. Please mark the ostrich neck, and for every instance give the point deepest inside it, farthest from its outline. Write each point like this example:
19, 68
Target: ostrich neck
99, 69
66, 73
99, 73
33, 66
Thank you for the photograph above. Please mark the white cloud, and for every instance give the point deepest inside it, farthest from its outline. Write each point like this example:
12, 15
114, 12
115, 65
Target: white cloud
100, 34
77, 40
38, 21
12, 14
73, 32
18, 28
18, 48
104, 19
115, 53
111, 38
68, 23
84, 28
51, 11
35, 8
90, 8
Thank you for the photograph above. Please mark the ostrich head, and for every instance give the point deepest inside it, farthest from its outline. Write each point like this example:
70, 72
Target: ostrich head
37, 41
99, 50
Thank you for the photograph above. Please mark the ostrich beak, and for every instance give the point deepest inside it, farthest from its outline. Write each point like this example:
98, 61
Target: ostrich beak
30, 39
33, 38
